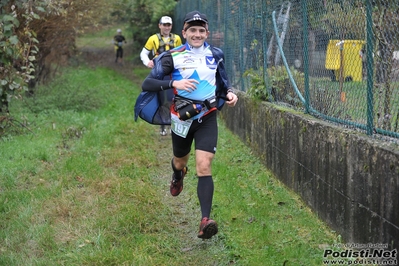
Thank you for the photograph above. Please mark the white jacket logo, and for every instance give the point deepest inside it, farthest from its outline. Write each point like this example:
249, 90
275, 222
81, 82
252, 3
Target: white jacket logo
211, 62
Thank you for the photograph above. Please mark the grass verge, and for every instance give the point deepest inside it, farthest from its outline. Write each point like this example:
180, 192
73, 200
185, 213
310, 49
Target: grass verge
89, 186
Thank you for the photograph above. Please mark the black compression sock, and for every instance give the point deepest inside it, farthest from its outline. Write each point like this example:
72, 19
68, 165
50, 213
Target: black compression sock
178, 173
205, 194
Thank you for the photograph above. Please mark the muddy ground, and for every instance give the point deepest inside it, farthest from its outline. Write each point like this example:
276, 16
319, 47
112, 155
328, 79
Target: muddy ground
106, 58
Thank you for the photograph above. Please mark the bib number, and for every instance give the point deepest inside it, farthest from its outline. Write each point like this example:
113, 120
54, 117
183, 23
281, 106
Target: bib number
179, 127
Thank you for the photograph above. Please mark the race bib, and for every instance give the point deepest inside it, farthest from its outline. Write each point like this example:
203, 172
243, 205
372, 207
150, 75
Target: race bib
179, 127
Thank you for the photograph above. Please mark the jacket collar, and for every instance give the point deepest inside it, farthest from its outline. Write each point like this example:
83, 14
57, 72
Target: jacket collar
189, 48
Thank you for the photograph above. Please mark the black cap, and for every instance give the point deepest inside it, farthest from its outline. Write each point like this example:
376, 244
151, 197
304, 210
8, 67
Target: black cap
195, 16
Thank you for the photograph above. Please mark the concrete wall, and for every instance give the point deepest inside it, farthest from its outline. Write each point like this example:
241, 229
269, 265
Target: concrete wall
350, 180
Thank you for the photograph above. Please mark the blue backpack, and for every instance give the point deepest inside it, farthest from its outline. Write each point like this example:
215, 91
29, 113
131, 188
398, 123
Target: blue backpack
150, 108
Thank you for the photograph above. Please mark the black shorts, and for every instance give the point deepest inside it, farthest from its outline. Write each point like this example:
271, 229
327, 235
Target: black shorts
119, 52
205, 135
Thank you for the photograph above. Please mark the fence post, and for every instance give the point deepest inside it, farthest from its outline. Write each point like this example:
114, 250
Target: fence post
264, 49
305, 53
241, 37
370, 68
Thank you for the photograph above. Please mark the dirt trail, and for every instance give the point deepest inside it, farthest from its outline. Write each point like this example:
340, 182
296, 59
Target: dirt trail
95, 57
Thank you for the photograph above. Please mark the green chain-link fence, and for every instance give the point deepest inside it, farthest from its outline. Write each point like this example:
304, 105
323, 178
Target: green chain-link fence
335, 59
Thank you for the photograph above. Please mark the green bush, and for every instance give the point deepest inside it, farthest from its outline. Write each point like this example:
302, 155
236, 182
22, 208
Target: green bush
257, 87
281, 88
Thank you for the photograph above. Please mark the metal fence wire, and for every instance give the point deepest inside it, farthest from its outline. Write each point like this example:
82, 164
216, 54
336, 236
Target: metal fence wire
335, 59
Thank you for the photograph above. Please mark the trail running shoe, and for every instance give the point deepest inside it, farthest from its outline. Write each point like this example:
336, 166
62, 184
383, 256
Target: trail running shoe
208, 228
163, 132
176, 186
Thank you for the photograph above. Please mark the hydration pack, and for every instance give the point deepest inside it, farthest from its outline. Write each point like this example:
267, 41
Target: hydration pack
162, 44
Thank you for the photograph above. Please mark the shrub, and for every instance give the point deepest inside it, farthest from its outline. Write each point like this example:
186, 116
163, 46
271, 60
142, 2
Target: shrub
281, 89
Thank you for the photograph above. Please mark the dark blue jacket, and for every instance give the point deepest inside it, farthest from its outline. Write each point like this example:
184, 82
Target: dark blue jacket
222, 82
148, 106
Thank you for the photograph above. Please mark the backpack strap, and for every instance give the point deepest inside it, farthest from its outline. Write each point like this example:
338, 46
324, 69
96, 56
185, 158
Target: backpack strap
172, 40
160, 40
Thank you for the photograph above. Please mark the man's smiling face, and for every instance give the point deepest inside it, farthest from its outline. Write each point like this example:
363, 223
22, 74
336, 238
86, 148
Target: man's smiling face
195, 35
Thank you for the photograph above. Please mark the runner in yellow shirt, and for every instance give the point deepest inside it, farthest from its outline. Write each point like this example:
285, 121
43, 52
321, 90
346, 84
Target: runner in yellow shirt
155, 45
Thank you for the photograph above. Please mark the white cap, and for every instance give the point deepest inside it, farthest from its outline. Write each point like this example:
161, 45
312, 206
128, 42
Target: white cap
165, 20
119, 30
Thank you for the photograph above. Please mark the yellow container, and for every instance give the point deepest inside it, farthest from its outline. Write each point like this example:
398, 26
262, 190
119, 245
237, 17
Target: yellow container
346, 54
